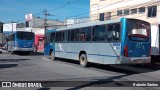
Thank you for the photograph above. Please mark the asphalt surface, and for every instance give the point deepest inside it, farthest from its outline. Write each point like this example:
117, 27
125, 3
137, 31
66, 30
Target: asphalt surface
36, 67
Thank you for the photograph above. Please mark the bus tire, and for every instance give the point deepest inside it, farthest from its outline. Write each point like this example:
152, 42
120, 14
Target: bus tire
52, 56
153, 60
83, 60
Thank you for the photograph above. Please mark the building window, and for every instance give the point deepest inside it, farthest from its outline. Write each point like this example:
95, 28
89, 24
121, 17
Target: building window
107, 16
134, 11
152, 11
141, 10
27, 23
119, 13
101, 17
126, 12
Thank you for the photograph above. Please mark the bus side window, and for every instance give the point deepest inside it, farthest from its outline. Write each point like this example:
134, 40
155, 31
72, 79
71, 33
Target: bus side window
52, 37
116, 34
102, 34
96, 29
113, 33
99, 33
58, 36
88, 34
75, 35
82, 35
85, 34
64, 36
110, 33
68, 35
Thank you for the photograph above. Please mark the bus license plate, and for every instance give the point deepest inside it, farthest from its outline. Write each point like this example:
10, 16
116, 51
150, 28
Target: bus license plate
139, 61
143, 55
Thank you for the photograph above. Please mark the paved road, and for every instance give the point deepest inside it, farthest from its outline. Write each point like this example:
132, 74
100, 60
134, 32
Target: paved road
35, 67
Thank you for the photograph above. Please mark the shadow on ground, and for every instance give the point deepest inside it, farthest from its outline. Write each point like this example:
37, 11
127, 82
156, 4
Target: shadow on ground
31, 54
12, 60
43, 89
127, 70
8, 65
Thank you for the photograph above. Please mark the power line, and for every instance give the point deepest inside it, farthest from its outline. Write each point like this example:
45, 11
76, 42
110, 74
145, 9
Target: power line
62, 6
68, 3
94, 10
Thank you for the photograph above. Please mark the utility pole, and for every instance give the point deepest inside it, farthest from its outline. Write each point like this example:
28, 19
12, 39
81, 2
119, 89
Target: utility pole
45, 19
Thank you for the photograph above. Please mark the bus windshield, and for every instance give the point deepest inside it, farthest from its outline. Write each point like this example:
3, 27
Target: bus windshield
25, 35
138, 30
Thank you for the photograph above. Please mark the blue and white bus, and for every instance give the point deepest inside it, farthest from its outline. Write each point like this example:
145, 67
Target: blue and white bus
121, 41
21, 41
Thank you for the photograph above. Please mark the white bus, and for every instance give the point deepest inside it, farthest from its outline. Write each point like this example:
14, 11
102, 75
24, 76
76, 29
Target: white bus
121, 41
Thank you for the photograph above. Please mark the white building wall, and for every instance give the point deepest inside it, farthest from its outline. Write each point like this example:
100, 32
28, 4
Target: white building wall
154, 40
9, 27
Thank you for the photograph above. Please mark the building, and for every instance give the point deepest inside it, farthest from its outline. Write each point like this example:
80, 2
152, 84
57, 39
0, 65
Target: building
9, 27
36, 25
147, 10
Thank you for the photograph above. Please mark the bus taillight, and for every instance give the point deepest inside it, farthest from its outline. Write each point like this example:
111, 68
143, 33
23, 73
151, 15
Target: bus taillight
126, 51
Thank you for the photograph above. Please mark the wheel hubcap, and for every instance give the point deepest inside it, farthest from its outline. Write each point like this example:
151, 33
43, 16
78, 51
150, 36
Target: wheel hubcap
83, 60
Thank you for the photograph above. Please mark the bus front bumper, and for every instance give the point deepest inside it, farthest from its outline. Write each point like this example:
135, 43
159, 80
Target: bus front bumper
23, 49
136, 60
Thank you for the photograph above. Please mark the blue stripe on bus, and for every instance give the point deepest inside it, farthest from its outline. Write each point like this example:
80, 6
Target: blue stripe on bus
123, 20
90, 54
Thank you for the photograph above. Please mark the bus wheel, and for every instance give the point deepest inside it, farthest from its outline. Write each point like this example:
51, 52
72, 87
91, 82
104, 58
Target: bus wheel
52, 56
83, 60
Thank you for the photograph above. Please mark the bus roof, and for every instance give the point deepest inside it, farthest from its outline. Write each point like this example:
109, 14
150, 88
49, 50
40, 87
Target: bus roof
19, 31
51, 30
89, 24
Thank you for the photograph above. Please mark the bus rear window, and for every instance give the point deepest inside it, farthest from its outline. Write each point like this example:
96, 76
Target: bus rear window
138, 30
25, 35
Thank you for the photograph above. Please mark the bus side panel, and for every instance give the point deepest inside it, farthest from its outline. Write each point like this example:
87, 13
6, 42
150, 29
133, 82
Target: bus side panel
71, 50
49, 47
105, 53
102, 53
